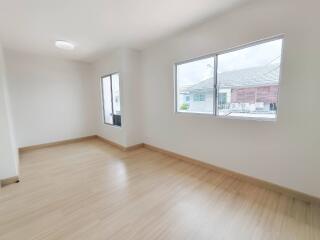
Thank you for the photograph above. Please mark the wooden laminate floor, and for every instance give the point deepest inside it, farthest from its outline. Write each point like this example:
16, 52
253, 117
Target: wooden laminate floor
91, 190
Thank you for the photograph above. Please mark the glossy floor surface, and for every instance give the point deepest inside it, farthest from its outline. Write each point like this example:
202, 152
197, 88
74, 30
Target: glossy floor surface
91, 190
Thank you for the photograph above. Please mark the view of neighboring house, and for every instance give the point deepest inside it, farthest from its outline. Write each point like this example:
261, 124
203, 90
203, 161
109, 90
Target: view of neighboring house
242, 92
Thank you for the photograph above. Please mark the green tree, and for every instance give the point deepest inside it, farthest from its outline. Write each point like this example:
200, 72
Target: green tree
184, 106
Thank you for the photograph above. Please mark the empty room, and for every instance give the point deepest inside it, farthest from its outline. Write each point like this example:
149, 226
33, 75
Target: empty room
159, 120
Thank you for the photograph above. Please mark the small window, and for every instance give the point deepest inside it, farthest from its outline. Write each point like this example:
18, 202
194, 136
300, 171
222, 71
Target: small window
196, 97
222, 98
111, 99
199, 97
238, 83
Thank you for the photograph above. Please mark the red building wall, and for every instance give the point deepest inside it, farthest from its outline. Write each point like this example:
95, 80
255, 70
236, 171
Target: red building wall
267, 95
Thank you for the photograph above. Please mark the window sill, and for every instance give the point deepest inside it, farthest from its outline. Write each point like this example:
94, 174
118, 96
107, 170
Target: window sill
111, 125
211, 115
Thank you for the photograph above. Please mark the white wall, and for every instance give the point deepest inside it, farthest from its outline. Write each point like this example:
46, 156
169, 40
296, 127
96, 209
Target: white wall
126, 62
285, 152
8, 150
131, 73
51, 98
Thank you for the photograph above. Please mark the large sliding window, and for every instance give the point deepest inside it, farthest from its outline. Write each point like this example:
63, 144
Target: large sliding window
111, 99
242, 83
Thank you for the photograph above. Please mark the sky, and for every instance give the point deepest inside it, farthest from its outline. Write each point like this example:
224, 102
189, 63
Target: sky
255, 56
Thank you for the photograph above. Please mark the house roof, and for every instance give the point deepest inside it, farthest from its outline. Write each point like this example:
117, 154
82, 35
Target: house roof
249, 77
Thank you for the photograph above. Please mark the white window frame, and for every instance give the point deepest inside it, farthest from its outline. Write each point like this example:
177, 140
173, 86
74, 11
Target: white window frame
215, 77
102, 99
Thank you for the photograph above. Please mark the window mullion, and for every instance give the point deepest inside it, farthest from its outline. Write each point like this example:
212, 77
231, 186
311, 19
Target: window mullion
215, 89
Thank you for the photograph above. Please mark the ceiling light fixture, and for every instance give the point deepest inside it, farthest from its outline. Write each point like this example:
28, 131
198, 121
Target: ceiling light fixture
64, 45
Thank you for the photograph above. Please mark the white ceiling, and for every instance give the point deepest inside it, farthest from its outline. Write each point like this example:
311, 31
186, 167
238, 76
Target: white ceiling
97, 26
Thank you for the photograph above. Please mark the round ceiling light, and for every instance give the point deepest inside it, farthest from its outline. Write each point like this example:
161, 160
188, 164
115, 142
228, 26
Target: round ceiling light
64, 45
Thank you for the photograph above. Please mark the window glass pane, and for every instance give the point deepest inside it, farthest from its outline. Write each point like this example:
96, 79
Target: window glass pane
116, 99
195, 92
248, 81
116, 94
107, 103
